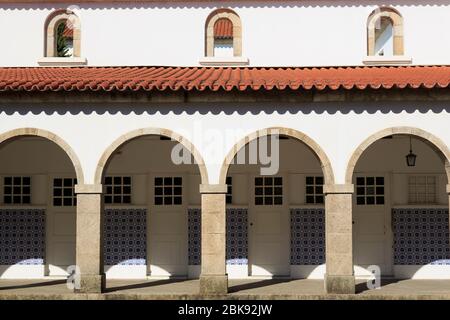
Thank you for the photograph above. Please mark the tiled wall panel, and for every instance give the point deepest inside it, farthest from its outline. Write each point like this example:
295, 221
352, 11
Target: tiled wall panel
421, 236
125, 238
307, 236
22, 236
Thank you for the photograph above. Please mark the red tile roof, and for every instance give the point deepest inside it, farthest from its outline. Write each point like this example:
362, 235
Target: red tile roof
223, 29
68, 29
205, 78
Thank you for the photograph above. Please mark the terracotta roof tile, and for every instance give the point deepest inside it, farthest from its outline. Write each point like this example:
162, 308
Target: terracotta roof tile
223, 29
68, 30
208, 78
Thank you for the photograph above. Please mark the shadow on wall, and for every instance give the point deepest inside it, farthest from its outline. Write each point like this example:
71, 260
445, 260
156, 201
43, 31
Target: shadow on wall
254, 108
248, 4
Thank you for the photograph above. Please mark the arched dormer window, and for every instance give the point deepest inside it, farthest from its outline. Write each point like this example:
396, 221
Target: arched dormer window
223, 39
62, 39
385, 33
385, 38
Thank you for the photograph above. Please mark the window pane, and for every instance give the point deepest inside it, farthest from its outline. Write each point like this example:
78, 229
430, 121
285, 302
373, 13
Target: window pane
380, 200
380, 190
360, 181
158, 181
57, 182
258, 181
159, 191
127, 180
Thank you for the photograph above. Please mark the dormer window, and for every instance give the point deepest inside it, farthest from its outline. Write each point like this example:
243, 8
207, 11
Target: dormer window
223, 39
385, 38
62, 40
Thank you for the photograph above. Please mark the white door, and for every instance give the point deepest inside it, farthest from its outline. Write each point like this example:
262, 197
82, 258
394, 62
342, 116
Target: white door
268, 227
167, 226
372, 239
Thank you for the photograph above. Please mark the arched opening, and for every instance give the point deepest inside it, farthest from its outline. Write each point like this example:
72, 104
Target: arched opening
400, 206
275, 216
223, 34
62, 35
37, 206
151, 223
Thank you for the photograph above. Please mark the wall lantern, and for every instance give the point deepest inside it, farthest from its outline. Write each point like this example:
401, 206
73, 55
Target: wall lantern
411, 157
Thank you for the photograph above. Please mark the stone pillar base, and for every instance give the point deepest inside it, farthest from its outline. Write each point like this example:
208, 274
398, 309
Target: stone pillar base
340, 284
214, 284
92, 283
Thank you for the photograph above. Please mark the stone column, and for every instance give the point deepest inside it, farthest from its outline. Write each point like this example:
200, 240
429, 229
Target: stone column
339, 277
213, 277
448, 193
89, 252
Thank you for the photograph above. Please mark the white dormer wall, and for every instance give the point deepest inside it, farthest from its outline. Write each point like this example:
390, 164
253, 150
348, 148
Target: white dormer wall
384, 45
274, 33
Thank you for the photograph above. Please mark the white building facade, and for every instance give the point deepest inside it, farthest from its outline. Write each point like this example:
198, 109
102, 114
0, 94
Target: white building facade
142, 152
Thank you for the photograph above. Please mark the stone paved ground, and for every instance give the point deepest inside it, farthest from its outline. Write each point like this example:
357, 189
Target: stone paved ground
239, 289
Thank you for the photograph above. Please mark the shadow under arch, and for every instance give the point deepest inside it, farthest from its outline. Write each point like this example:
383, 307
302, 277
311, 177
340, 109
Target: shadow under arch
34, 132
108, 153
310, 143
434, 142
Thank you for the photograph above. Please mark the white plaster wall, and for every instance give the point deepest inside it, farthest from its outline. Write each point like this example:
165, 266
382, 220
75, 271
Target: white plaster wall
275, 33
